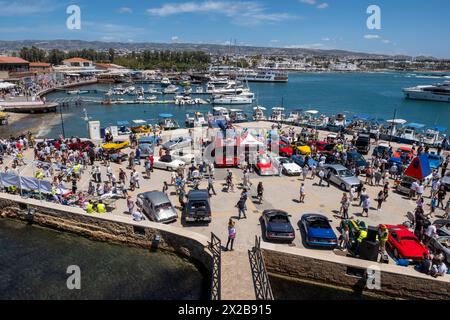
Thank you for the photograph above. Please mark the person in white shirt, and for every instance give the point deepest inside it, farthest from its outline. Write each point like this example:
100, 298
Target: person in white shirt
430, 233
413, 191
420, 190
439, 270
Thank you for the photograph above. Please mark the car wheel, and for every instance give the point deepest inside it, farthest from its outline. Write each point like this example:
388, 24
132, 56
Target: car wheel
396, 254
343, 187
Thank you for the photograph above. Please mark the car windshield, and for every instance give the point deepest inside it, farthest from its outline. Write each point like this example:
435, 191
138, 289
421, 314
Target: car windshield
163, 206
286, 160
345, 173
318, 223
279, 219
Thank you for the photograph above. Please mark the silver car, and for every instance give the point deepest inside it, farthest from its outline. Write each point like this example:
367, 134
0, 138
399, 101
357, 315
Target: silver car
157, 207
177, 143
341, 176
441, 244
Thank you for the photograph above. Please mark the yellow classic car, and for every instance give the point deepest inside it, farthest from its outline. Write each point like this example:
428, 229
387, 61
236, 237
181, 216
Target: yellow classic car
116, 145
302, 148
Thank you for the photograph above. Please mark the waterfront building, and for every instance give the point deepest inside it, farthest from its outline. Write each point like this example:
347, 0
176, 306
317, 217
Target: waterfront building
13, 67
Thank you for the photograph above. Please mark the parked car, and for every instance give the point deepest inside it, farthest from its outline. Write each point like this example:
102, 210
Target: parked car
265, 166
404, 187
166, 162
146, 146
318, 231
357, 159
287, 166
442, 227
404, 244
157, 207
284, 149
301, 148
325, 147
114, 157
363, 143
404, 153
435, 160
83, 145
300, 160
341, 176
278, 226
116, 145
381, 150
185, 155
441, 244
177, 143
198, 208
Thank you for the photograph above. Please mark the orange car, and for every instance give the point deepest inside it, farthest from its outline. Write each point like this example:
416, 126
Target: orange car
404, 152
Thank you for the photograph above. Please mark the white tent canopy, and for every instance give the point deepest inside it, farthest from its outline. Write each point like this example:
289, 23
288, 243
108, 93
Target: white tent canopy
6, 85
250, 140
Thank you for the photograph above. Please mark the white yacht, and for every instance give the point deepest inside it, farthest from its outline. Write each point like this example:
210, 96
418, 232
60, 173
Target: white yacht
294, 116
263, 76
198, 120
231, 99
165, 82
218, 81
437, 92
170, 89
432, 137
221, 112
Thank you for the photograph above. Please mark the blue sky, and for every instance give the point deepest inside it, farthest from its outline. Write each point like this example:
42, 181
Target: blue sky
408, 26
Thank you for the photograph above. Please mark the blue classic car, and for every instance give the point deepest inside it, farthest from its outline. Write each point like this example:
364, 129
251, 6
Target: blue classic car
435, 160
278, 226
318, 231
300, 160
357, 159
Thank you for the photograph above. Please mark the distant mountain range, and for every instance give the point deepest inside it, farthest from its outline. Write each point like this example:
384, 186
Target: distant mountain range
210, 48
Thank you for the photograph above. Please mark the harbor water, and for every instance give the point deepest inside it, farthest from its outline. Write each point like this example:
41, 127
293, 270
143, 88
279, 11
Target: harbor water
377, 95
34, 262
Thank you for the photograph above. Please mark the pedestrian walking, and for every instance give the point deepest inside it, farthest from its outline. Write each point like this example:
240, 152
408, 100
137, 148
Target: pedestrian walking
241, 208
380, 199
302, 193
211, 186
260, 191
366, 206
130, 204
386, 191
321, 175
231, 234
165, 187
344, 243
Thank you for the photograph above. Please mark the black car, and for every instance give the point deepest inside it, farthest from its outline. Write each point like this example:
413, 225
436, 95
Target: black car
198, 208
278, 226
363, 143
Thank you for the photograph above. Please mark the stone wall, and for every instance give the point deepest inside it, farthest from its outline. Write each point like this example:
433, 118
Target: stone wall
110, 228
338, 271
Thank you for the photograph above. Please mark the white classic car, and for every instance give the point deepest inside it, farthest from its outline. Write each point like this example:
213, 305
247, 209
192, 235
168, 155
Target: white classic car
287, 166
167, 162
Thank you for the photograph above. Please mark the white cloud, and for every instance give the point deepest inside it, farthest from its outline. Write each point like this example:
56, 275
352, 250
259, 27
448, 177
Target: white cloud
310, 2
274, 41
175, 39
125, 10
26, 7
326, 39
241, 12
323, 6
386, 41
371, 36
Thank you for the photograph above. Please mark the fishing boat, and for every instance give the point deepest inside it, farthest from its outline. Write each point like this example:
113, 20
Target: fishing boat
277, 114
388, 132
434, 137
197, 120
221, 113
123, 128
77, 92
294, 116
167, 122
171, 89
199, 90
337, 123
258, 113
409, 133
238, 116
118, 91
165, 82
219, 81
187, 90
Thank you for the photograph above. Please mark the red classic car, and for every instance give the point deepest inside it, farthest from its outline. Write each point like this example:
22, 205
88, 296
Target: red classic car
265, 166
404, 244
81, 145
285, 150
325, 147
404, 152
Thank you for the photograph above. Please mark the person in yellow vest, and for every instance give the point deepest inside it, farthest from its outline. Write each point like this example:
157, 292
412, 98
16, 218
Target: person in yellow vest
383, 237
76, 169
39, 175
362, 235
101, 207
90, 208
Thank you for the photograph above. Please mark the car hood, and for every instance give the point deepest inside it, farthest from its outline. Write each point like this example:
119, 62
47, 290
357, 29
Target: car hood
291, 167
350, 180
166, 214
321, 233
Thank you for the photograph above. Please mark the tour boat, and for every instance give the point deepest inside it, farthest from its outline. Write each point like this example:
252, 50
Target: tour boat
277, 114
258, 113
167, 122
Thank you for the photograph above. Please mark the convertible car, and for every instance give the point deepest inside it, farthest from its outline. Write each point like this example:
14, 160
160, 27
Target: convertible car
116, 145
265, 166
167, 162
404, 244
278, 226
318, 231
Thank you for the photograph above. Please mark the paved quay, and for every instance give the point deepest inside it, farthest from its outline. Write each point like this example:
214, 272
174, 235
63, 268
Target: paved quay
280, 193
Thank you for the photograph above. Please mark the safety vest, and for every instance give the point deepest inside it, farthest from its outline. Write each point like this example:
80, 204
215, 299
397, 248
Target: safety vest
53, 191
362, 235
90, 208
101, 208
76, 168
39, 175
384, 236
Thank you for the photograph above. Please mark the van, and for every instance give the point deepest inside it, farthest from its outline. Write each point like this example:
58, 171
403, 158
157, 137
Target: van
198, 208
157, 207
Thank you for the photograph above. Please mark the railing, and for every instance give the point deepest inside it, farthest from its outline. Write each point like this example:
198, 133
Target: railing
215, 247
263, 290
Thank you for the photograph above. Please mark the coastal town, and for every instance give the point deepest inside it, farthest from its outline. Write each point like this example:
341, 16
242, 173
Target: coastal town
330, 187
